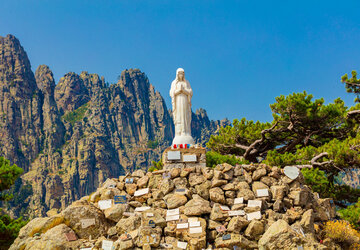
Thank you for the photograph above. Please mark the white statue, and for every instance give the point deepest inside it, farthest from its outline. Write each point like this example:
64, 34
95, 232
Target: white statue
181, 94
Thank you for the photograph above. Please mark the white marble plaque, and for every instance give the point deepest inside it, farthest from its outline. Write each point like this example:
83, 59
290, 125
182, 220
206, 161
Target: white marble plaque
105, 204
173, 155
262, 192
141, 192
181, 244
171, 212
254, 203
194, 224
291, 172
107, 245
182, 226
128, 214
239, 200
87, 222
195, 230
254, 215
189, 158
192, 219
224, 208
172, 217
236, 213
149, 214
141, 209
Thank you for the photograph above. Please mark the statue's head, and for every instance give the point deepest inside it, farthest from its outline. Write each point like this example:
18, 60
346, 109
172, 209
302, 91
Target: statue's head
180, 74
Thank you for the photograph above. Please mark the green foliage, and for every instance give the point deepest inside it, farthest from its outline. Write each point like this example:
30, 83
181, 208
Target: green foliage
352, 84
343, 154
20, 193
8, 174
76, 115
156, 165
9, 229
214, 158
304, 131
299, 121
317, 180
352, 214
152, 144
241, 132
327, 188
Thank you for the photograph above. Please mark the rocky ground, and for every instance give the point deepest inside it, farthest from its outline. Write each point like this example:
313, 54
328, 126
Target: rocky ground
241, 207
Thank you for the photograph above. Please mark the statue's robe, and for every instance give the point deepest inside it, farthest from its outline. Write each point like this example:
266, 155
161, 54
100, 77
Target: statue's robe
181, 107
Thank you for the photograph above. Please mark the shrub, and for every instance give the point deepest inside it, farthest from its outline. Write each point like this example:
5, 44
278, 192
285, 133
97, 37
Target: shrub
342, 232
9, 229
76, 115
156, 165
152, 144
352, 214
213, 158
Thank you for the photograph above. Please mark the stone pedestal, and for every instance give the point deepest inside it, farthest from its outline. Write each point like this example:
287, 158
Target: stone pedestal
184, 157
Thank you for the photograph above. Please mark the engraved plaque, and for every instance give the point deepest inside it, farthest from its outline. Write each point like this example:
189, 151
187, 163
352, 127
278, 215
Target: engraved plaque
254, 203
171, 212
226, 237
105, 204
262, 192
239, 200
172, 217
195, 230
254, 215
141, 209
87, 222
182, 226
236, 213
189, 158
291, 172
120, 199
70, 236
181, 244
173, 155
107, 244
141, 192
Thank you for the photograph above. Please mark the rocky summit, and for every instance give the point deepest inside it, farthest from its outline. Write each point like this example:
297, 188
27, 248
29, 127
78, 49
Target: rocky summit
228, 207
71, 136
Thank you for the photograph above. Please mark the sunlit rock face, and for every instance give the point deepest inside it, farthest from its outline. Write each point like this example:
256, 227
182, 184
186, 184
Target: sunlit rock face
70, 136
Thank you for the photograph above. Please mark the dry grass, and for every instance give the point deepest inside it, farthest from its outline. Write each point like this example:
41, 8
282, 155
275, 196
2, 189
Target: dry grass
341, 231
355, 246
53, 223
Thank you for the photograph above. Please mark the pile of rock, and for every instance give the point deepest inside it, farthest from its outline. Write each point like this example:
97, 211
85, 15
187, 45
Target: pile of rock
241, 207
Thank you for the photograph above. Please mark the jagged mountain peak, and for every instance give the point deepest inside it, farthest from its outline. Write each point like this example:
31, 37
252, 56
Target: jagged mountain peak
15, 70
45, 79
71, 92
71, 136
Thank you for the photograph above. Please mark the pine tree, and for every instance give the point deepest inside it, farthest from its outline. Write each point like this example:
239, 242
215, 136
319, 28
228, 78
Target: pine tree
9, 228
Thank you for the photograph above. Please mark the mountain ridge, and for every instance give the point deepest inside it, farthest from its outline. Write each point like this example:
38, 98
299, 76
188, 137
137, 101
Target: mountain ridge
75, 134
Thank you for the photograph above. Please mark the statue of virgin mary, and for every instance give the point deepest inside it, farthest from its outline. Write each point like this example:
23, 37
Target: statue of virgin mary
181, 94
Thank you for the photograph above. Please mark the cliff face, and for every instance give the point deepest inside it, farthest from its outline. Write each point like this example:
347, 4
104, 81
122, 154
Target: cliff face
72, 136
20, 105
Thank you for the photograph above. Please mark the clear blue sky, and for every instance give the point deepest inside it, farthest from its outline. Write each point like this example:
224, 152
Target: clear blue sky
237, 55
